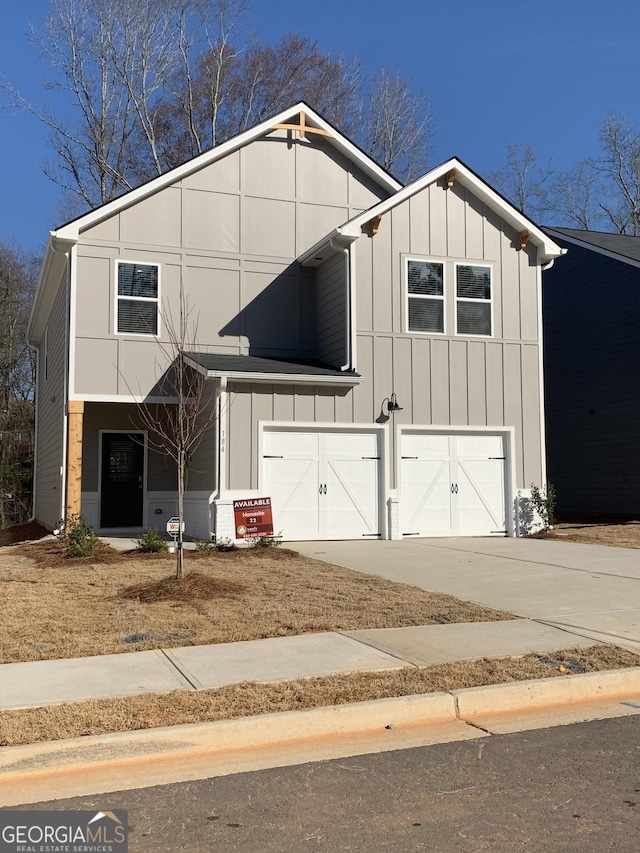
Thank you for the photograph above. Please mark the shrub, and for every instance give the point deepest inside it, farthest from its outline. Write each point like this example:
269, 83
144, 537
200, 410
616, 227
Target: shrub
264, 541
151, 541
222, 543
204, 545
544, 502
78, 537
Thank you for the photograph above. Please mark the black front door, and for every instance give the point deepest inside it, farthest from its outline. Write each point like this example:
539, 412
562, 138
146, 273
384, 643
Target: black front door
121, 492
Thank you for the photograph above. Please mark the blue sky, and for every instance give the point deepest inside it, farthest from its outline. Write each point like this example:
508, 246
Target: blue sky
544, 72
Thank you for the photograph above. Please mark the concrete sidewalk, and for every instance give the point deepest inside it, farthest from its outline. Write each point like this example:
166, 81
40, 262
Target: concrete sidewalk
40, 683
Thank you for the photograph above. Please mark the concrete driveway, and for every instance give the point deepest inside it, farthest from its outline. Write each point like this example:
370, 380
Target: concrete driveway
588, 590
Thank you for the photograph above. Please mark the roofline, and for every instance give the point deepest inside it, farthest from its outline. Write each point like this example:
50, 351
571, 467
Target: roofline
55, 255
468, 178
72, 229
277, 378
608, 253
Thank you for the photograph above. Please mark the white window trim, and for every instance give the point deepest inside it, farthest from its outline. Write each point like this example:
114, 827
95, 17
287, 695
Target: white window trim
472, 301
117, 298
406, 260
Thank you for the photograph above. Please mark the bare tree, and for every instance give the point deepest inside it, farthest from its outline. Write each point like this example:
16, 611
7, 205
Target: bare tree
620, 170
18, 276
523, 180
573, 197
177, 426
152, 84
397, 125
230, 90
111, 58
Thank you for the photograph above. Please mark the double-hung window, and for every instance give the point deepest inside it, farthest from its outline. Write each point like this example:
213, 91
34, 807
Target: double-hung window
137, 301
473, 300
425, 296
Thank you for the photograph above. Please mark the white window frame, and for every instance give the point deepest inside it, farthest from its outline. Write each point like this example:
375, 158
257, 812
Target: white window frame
147, 299
458, 299
406, 261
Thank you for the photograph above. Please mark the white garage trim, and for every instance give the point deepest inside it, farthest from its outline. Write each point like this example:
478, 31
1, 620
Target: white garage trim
319, 461
507, 435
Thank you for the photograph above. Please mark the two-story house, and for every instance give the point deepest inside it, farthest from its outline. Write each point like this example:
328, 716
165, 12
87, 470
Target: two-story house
372, 351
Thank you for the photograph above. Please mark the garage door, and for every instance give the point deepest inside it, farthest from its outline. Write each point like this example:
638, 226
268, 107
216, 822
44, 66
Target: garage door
453, 485
323, 485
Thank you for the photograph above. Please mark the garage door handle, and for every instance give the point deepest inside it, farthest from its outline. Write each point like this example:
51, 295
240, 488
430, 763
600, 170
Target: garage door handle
454, 488
323, 489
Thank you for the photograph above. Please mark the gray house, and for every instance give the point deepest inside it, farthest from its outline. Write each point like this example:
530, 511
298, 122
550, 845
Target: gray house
372, 351
592, 371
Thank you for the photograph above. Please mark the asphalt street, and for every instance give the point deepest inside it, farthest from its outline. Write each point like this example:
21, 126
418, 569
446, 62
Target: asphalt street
565, 789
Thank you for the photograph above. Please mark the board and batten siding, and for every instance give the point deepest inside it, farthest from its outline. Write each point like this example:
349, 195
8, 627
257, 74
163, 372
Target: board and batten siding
331, 302
450, 379
592, 371
51, 404
228, 235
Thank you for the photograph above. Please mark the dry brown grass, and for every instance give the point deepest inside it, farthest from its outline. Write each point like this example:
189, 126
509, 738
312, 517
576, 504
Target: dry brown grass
618, 534
101, 716
54, 607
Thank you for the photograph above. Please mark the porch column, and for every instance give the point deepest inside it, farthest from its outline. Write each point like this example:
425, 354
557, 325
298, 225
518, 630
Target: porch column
75, 413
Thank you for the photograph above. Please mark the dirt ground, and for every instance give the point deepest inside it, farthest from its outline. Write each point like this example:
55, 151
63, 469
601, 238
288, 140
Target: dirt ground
615, 533
54, 607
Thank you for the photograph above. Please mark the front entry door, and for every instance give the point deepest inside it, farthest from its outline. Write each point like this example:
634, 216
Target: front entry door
121, 494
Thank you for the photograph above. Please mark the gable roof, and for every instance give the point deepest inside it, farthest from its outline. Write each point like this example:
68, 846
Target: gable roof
62, 240
462, 174
312, 119
621, 247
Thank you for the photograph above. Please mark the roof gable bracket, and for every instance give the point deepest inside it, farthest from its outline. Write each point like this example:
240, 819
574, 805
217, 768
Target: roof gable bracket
301, 127
374, 225
525, 236
450, 178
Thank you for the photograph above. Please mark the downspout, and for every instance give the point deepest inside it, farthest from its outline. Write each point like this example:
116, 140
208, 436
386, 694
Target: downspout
65, 397
220, 439
543, 420
221, 447
348, 311
36, 406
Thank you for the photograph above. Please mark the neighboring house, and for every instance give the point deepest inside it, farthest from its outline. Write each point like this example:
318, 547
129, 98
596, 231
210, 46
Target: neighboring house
592, 372
322, 288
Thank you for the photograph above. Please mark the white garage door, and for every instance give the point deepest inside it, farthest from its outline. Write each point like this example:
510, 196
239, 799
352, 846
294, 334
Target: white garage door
453, 485
323, 485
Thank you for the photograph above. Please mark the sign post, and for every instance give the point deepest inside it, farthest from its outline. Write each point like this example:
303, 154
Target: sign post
253, 518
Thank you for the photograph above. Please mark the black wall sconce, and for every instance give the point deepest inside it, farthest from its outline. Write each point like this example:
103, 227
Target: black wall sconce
392, 406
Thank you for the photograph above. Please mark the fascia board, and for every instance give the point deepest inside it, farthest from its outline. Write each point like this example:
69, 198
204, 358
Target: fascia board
548, 248
284, 378
72, 229
607, 253
53, 265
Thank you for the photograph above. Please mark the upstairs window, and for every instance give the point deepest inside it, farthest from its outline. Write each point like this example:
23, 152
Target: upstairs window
137, 308
473, 300
425, 296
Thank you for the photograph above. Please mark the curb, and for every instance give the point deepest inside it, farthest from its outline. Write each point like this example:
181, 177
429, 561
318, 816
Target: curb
126, 749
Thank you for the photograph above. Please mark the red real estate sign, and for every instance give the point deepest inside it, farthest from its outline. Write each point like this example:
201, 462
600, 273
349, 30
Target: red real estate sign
253, 517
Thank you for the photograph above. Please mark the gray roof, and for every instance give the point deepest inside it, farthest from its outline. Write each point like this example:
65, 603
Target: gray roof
623, 245
256, 364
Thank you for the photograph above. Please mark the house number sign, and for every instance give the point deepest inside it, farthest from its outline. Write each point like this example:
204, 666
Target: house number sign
252, 517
